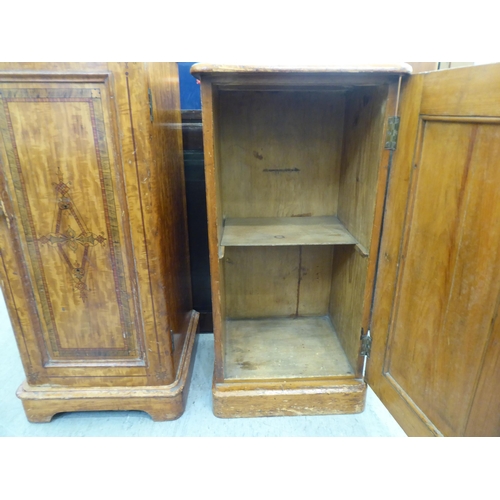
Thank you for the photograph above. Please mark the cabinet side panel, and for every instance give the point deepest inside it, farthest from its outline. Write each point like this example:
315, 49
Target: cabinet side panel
280, 152
166, 148
362, 189
347, 298
141, 185
362, 149
209, 103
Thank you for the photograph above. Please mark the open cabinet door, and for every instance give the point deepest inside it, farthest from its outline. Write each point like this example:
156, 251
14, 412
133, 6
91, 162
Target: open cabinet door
435, 359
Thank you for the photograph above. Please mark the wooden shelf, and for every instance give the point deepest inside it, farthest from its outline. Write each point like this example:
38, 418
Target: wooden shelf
277, 348
286, 231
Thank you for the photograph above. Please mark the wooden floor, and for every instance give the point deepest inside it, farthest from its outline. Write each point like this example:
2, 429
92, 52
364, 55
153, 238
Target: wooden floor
283, 348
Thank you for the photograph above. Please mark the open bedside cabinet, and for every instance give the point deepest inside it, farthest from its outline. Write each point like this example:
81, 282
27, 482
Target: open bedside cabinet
326, 234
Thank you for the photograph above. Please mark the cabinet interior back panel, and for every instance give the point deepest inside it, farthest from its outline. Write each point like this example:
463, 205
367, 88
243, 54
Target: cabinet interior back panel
262, 282
280, 152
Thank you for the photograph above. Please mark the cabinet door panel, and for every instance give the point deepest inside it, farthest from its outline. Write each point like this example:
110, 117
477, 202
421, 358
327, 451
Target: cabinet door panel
438, 290
62, 171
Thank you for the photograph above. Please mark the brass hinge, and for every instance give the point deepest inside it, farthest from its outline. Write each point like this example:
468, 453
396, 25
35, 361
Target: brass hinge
150, 95
366, 344
391, 139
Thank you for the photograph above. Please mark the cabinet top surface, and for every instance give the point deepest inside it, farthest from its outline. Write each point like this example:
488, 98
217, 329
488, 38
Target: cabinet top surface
199, 69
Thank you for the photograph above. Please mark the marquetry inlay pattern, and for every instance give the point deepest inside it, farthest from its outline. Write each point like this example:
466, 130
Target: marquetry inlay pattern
73, 241
64, 239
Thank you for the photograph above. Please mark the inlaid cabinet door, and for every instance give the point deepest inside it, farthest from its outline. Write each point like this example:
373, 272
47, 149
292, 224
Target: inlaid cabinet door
73, 279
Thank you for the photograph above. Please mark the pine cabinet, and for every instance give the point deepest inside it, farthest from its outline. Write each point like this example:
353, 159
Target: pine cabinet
93, 241
353, 239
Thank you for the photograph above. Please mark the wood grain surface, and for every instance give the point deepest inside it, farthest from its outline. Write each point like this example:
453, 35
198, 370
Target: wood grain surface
276, 148
397, 68
95, 263
60, 169
399, 404
162, 403
484, 417
280, 231
347, 297
433, 369
215, 217
280, 162
361, 154
284, 348
449, 92
287, 281
321, 397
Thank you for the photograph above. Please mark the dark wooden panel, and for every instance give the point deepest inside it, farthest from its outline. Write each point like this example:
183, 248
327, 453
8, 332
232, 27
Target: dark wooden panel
198, 232
192, 130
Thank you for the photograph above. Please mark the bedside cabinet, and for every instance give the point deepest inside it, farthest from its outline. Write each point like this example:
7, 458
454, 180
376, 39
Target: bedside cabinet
353, 226
94, 255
